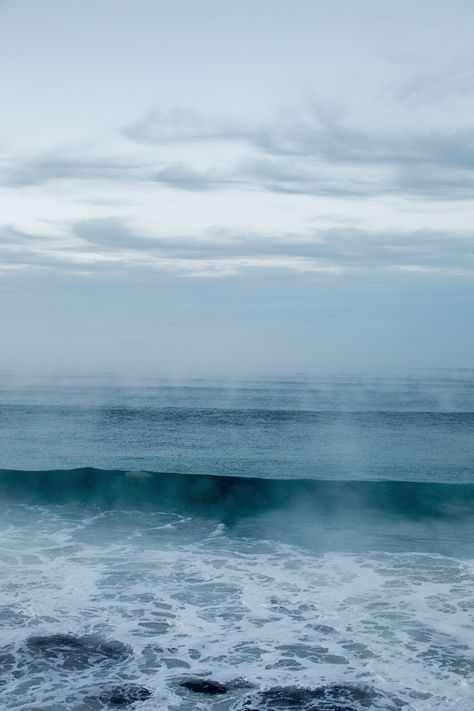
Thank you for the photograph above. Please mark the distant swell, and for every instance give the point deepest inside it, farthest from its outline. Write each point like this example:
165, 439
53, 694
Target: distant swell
235, 496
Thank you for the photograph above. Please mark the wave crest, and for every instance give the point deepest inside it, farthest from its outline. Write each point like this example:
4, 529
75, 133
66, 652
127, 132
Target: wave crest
236, 495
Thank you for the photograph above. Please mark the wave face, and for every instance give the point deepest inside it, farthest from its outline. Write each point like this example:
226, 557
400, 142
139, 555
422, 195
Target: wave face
238, 496
347, 515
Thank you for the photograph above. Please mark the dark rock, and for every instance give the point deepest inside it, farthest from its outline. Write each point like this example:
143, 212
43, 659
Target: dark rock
333, 697
52, 641
125, 695
73, 652
204, 686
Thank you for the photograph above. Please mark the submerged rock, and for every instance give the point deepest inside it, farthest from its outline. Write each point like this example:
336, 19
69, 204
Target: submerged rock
125, 695
204, 686
333, 697
77, 652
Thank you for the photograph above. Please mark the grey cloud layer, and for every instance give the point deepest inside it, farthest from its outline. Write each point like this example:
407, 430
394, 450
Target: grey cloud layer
304, 155
111, 245
320, 153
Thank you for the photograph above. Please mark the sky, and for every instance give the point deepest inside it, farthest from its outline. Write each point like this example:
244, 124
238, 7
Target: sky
221, 188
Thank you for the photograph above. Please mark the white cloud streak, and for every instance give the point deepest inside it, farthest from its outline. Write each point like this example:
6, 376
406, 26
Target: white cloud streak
114, 247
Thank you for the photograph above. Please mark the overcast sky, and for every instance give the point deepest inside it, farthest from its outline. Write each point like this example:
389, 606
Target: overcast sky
216, 187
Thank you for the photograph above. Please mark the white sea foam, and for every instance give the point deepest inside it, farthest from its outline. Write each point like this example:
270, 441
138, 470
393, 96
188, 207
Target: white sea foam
192, 599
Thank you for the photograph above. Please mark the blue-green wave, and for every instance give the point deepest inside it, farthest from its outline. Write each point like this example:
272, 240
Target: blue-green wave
236, 496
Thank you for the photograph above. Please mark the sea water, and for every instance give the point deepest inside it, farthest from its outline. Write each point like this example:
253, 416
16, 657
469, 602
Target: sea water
306, 543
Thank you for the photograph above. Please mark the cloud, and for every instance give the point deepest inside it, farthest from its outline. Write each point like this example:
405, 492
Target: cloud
107, 246
183, 177
43, 169
435, 87
328, 133
319, 150
111, 246
183, 125
325, 152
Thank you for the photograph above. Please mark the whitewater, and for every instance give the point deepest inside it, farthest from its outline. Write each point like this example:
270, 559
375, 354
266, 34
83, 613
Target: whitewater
285, 543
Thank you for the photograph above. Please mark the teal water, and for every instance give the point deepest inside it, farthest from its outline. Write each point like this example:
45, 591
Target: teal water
306, 542
404, 428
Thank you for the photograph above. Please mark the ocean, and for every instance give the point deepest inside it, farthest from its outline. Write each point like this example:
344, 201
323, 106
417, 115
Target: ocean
261, 544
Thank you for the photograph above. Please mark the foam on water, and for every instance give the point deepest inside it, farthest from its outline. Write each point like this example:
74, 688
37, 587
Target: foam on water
184, 596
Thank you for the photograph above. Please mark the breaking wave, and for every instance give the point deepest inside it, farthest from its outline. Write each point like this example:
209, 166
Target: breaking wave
237, 495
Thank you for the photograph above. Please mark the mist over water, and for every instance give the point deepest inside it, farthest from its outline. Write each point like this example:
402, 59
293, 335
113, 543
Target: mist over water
348, 427
305, 542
